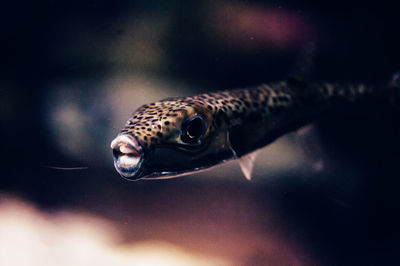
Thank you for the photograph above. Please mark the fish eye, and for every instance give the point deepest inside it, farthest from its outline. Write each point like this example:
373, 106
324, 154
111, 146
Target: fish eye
193, 129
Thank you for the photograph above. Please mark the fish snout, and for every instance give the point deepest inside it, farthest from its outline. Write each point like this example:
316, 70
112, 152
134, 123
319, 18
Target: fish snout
127, 154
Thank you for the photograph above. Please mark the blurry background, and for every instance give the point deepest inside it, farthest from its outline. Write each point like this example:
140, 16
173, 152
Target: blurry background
71, 74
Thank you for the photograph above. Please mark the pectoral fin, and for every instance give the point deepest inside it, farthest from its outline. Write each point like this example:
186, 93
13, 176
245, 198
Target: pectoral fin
309, 140
246, 163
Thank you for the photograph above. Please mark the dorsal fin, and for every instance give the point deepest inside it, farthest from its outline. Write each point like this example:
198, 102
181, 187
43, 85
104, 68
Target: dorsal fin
303, 67
246, 163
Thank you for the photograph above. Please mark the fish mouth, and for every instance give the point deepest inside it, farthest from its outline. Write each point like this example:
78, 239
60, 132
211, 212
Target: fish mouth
128, 156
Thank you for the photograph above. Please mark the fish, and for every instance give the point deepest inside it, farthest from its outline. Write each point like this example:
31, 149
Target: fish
184, 135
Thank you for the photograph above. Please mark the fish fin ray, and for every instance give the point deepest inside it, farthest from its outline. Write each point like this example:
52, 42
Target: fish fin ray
304, 65
246, 163
309, 140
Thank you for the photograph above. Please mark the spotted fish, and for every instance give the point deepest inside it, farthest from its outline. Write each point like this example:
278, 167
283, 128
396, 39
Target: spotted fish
179, 136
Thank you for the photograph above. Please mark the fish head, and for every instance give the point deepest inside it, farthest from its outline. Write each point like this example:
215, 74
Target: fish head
171, 138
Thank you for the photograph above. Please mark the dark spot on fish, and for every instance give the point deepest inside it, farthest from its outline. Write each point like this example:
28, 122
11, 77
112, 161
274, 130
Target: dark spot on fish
276, 109
166, 123
264, 103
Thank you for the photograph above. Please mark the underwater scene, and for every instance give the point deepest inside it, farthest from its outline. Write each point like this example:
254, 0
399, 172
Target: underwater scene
200, 133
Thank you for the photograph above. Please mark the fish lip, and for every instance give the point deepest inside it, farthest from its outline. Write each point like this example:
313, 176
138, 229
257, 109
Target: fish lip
130, 172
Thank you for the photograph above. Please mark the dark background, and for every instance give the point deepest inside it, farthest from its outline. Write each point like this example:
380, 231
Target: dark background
346, 214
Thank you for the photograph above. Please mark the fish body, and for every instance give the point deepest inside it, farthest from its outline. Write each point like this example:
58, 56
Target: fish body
178, 136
